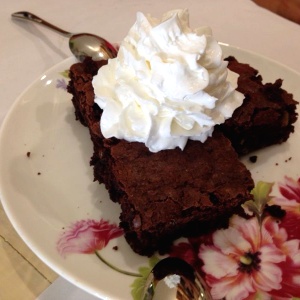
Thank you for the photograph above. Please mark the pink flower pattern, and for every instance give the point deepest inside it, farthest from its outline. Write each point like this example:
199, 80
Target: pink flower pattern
290, 202
87, 236
245, 259
248, 260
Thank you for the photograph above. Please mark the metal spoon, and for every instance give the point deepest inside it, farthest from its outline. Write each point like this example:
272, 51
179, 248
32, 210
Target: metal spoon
191, 285
82, 45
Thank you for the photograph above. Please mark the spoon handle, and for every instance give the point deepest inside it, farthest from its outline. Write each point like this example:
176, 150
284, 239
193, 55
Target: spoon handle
27, 16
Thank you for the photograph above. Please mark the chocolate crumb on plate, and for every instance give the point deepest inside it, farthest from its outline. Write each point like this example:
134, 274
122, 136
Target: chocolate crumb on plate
253, 158
275, 211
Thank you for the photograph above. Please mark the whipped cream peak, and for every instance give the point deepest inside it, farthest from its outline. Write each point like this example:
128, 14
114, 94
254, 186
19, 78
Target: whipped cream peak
168, 84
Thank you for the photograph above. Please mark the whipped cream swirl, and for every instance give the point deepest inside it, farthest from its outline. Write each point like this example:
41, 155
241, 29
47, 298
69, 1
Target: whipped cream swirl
168, 84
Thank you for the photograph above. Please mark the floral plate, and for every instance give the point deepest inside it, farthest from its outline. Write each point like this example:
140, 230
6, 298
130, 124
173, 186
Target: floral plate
48, 193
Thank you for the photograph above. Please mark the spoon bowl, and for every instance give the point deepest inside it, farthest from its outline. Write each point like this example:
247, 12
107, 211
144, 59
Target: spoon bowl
188, 283
82, 45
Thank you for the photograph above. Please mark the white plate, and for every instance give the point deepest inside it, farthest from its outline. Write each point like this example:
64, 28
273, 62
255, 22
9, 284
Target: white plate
53, 187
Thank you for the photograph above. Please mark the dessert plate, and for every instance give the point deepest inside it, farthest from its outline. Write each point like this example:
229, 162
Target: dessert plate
48, 192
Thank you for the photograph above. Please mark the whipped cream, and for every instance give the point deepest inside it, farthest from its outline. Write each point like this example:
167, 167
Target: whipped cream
168, 84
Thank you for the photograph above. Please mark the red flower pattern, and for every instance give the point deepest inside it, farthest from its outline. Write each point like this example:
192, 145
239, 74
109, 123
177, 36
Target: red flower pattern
290, 202
87, 236
245, 261
273, 254
188, 251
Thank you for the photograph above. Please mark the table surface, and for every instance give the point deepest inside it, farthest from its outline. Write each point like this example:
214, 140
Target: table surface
28, 50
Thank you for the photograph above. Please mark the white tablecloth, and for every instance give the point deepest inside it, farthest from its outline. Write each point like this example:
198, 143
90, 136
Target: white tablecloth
28, 50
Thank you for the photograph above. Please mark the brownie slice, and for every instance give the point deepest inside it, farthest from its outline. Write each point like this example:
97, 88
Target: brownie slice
266, 116
173, 193
167, 194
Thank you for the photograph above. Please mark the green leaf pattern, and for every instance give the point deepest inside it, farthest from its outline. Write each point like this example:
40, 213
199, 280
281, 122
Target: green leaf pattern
139, 283
65, 74
261, 196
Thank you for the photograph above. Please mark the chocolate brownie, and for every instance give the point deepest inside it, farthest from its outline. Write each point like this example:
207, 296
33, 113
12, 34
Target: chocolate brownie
266, 116
167, 194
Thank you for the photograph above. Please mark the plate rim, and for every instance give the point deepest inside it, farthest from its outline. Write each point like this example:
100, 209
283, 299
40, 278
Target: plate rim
5, 202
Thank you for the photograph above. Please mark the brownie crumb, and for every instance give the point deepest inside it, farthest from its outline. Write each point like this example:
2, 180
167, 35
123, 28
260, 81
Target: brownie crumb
253, 158
275, 211
28, 154
116, 248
